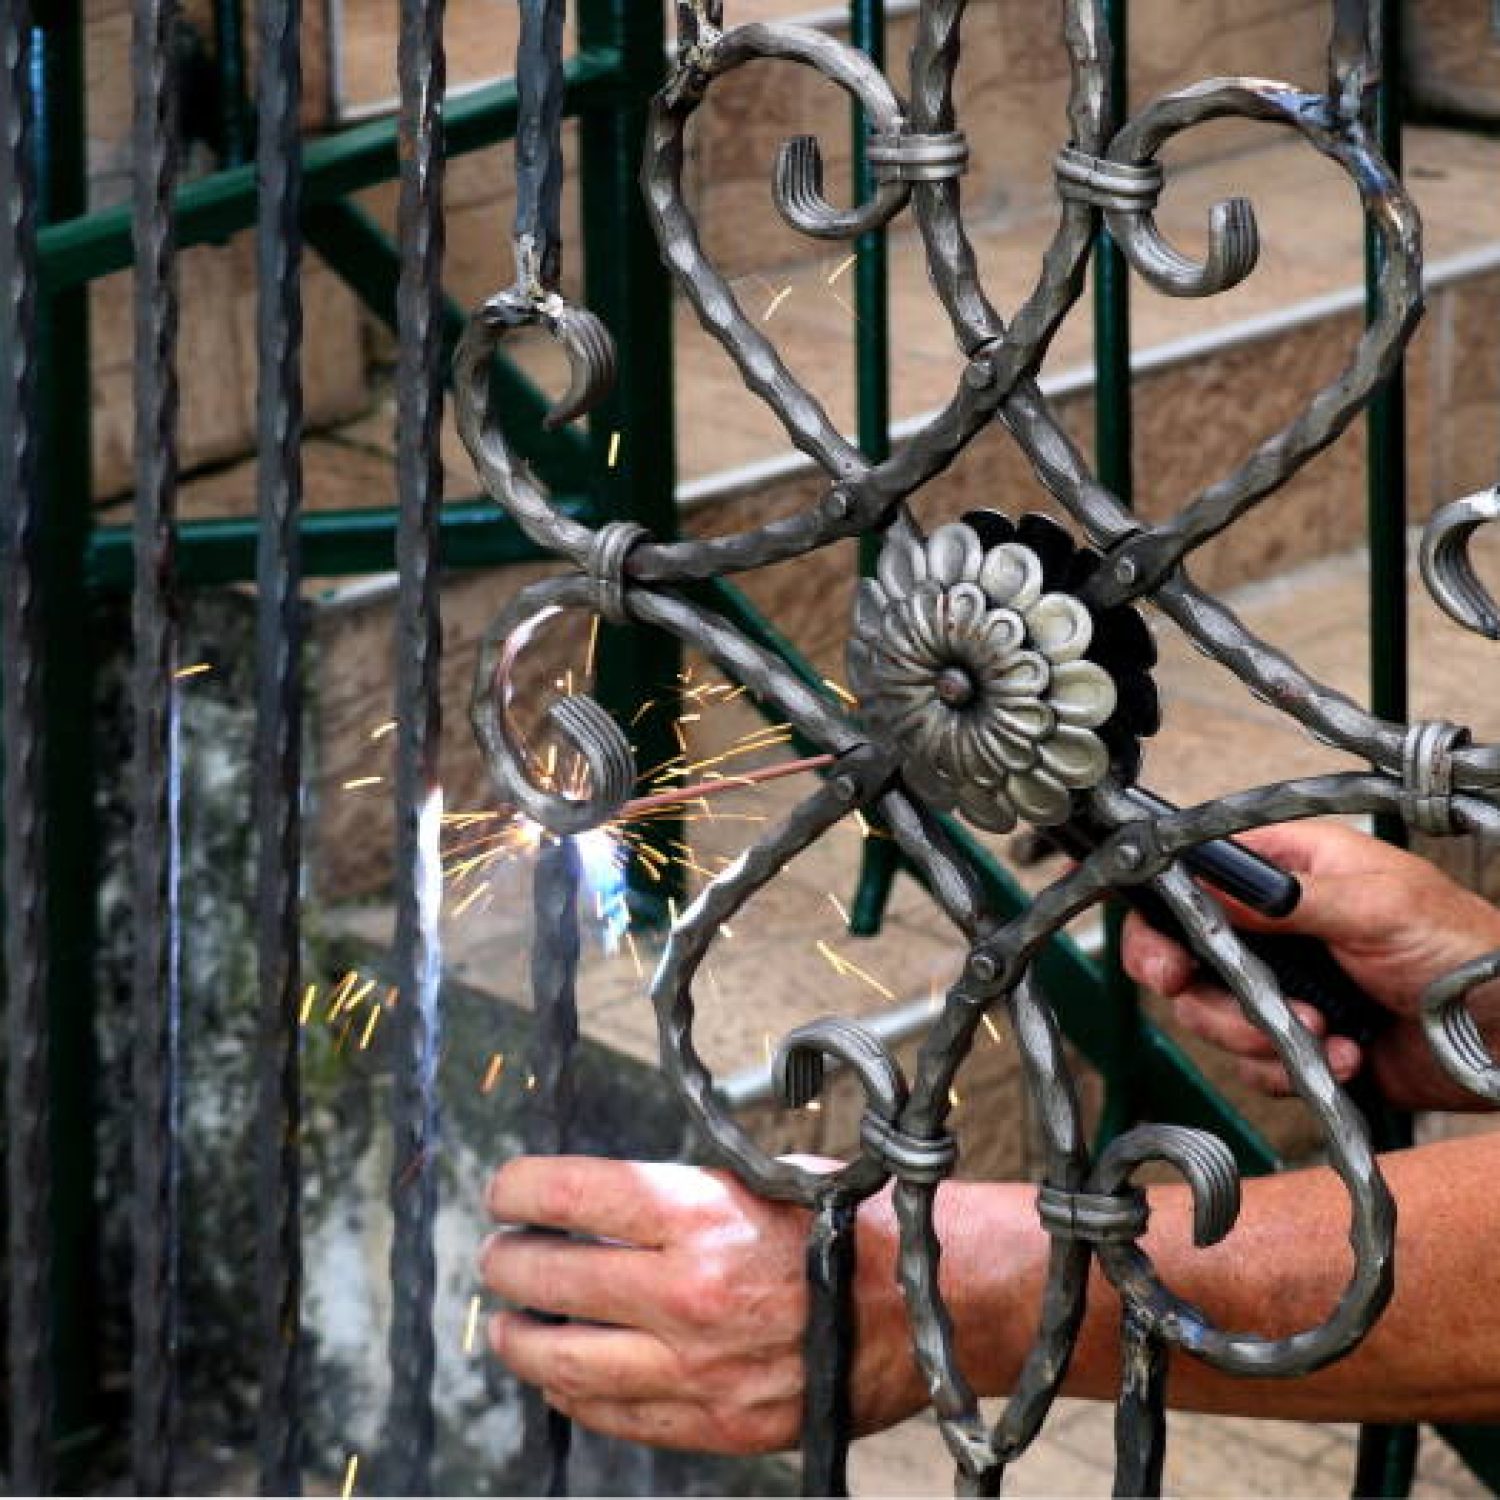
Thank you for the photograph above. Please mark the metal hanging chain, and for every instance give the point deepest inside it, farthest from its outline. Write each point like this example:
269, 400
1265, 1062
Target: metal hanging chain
996, 680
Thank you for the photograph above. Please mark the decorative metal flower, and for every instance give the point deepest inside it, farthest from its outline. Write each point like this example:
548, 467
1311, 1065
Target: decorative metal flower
978, 669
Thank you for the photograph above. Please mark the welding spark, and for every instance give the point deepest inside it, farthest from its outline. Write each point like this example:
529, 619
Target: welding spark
776, 302
614, 449
369, 1031
603, 862
198, 669
471, 1327
492, 1073
360, 782
351, 1472
847, 968
843, 267
380, 731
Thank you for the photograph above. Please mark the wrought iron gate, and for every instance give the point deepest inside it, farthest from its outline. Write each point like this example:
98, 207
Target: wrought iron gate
1060, 752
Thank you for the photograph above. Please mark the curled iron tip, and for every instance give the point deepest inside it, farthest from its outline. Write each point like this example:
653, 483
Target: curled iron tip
591, 363
798, 1067
1452, 1032
1448, 568
1205, 1162
590, 737
1233, 250
797, 190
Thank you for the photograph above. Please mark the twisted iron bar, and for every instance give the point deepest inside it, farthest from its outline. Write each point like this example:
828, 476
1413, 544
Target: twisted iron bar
28, 1041
155, 987
278, 748
411, 1428
969, 653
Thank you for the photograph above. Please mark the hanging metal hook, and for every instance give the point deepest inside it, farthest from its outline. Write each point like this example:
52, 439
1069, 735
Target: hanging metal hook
535, 300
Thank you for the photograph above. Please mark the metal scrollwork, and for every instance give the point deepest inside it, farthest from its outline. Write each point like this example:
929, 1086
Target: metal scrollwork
1001, 670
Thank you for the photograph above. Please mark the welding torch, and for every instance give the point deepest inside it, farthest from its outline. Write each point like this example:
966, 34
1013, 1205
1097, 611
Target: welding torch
1304, 967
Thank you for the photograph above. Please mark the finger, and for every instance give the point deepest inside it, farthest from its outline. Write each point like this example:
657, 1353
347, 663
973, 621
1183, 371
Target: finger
583, 1363
1152, 959
1344, 1059
658, 1424
684, 1424
1214, 1015
1268, 1078
600, 1283
619, 1200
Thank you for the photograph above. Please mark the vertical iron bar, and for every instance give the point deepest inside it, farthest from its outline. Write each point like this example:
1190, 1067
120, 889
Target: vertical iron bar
277, 792
1386, 441
879, 860
829, 1347
627, 286
419, 801
69, 650
554, 975
27, 1115
1140, 1414
1114, 456
154, 828
1387, 1454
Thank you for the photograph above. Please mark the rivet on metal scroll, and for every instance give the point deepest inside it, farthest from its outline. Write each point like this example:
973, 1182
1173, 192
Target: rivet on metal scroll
1003, 674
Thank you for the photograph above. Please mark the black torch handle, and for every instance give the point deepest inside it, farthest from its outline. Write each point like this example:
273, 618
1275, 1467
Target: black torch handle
1304, 967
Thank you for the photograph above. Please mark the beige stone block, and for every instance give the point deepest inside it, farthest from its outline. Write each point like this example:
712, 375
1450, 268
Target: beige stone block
217, 361
1466, 389
1452, 54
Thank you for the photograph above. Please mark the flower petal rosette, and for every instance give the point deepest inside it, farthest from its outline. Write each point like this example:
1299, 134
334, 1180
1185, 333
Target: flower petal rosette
978, 669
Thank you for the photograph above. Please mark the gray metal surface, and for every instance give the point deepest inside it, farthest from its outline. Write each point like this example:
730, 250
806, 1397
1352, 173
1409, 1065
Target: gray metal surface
976, 693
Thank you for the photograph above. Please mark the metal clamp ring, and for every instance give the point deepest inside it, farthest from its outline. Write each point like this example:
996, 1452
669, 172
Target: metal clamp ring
1099, 1218
1427, 775
606, 567
911, 1158
1116, 186
909, 156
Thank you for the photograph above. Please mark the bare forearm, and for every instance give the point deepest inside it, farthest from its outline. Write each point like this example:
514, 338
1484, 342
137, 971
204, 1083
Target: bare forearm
1434, 1355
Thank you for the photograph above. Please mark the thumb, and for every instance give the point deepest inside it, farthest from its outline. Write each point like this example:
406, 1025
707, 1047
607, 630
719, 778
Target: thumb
1328, 907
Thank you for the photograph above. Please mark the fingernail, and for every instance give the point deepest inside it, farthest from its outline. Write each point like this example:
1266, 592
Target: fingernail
1343, 1056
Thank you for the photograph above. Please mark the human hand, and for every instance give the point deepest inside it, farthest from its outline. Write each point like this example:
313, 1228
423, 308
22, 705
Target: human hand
1392, 920
689, 1320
